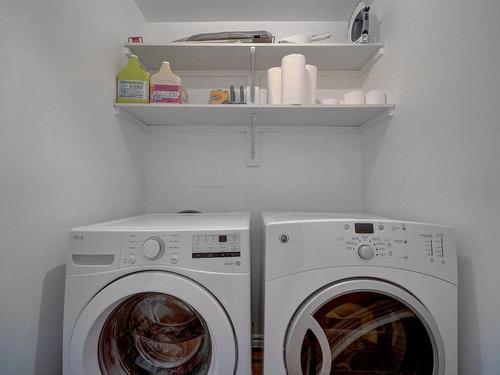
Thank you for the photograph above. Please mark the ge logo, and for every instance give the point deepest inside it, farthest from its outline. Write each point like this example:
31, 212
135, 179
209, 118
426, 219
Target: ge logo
284, 238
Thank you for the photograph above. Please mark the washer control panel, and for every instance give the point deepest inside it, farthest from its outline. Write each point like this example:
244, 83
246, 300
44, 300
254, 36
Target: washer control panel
219, 251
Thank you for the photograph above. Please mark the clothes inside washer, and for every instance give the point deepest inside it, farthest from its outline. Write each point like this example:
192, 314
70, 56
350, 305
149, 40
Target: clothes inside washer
154, 334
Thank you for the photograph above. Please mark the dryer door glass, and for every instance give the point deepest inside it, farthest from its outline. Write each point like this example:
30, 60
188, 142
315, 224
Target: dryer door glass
363, 332
154, 333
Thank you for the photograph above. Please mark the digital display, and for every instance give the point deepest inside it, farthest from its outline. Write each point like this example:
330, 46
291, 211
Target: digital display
363, 228
216, 245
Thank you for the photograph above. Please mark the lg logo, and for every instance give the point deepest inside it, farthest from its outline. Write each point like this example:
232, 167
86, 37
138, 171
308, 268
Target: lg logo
77, 237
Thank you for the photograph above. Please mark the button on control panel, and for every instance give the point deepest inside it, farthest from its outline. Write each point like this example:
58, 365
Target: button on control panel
174, 258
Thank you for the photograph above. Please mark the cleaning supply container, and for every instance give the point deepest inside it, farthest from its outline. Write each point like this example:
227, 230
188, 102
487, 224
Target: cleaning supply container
132, 83
166, 87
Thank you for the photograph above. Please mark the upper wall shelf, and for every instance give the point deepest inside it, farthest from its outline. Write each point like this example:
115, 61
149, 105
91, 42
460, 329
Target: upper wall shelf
224, 57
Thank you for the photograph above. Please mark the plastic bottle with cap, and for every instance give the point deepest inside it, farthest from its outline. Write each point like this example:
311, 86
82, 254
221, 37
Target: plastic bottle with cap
132, 83
166, 87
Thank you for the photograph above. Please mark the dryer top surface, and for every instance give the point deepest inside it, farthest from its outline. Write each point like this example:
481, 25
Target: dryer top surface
295, 217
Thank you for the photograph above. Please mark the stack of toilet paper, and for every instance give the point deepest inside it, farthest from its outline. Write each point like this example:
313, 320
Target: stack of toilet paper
294, 83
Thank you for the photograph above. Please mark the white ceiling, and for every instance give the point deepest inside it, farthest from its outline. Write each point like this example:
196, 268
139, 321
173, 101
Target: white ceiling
245, 10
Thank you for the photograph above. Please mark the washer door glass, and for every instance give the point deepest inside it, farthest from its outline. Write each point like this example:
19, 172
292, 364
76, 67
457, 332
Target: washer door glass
154, 333
363, 332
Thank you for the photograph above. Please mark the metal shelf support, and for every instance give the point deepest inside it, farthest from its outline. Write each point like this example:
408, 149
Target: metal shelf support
252, 75
253, 144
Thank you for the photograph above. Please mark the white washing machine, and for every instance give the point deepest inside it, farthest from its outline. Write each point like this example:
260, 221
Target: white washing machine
359, 295
159, 294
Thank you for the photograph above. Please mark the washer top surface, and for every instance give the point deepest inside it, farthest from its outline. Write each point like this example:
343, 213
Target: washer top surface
202, 221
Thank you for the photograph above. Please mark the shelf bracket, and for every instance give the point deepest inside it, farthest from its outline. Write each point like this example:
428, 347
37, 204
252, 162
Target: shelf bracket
253, 144
252, 75
388, 113
124, 114
371, 62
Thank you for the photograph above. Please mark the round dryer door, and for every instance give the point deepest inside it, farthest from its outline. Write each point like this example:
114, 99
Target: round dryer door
362, 327
153, 323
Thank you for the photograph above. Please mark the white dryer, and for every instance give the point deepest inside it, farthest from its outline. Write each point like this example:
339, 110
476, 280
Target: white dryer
359, 295
159, 294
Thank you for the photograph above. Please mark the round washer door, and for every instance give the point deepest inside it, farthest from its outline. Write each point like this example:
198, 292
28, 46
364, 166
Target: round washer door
363, 326
153, 323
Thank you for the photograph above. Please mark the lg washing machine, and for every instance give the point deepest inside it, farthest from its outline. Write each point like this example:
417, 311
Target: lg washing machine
359, 295
159, 294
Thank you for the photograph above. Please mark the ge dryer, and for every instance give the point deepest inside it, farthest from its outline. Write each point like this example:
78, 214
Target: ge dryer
159, 294
355, 294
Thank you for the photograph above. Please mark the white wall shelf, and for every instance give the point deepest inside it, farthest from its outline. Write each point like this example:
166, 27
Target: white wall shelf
241, 115
237, 56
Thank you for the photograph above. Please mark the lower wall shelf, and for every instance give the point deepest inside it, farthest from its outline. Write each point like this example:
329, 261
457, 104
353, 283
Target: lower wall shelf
241, 114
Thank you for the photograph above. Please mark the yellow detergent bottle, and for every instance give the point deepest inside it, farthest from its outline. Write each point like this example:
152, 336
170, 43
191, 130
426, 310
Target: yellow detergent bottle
132, 83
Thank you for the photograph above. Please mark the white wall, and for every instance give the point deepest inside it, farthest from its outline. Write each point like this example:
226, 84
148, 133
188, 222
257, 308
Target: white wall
438, 159
302, 170
65, 159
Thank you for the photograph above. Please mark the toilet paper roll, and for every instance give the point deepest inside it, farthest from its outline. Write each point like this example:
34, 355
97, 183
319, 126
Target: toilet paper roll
293, 79
274, 86
311, 83
354, 97
376, 97
256, 95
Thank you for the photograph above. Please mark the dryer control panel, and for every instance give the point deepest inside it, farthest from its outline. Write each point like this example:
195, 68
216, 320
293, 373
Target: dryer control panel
391, 240
297, 246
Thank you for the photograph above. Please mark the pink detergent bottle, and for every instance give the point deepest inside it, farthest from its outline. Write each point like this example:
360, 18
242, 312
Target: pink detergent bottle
166, 87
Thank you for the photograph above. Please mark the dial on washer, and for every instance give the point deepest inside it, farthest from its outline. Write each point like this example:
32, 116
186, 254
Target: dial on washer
153, 248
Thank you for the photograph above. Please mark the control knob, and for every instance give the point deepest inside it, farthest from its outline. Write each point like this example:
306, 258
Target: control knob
366, 252
153, 248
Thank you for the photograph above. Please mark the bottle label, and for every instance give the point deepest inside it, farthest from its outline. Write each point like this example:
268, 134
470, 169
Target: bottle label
133, 89
166, 94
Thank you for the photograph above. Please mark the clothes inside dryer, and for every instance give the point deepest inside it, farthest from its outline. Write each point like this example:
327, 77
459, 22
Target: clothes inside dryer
369, 333
153, 334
